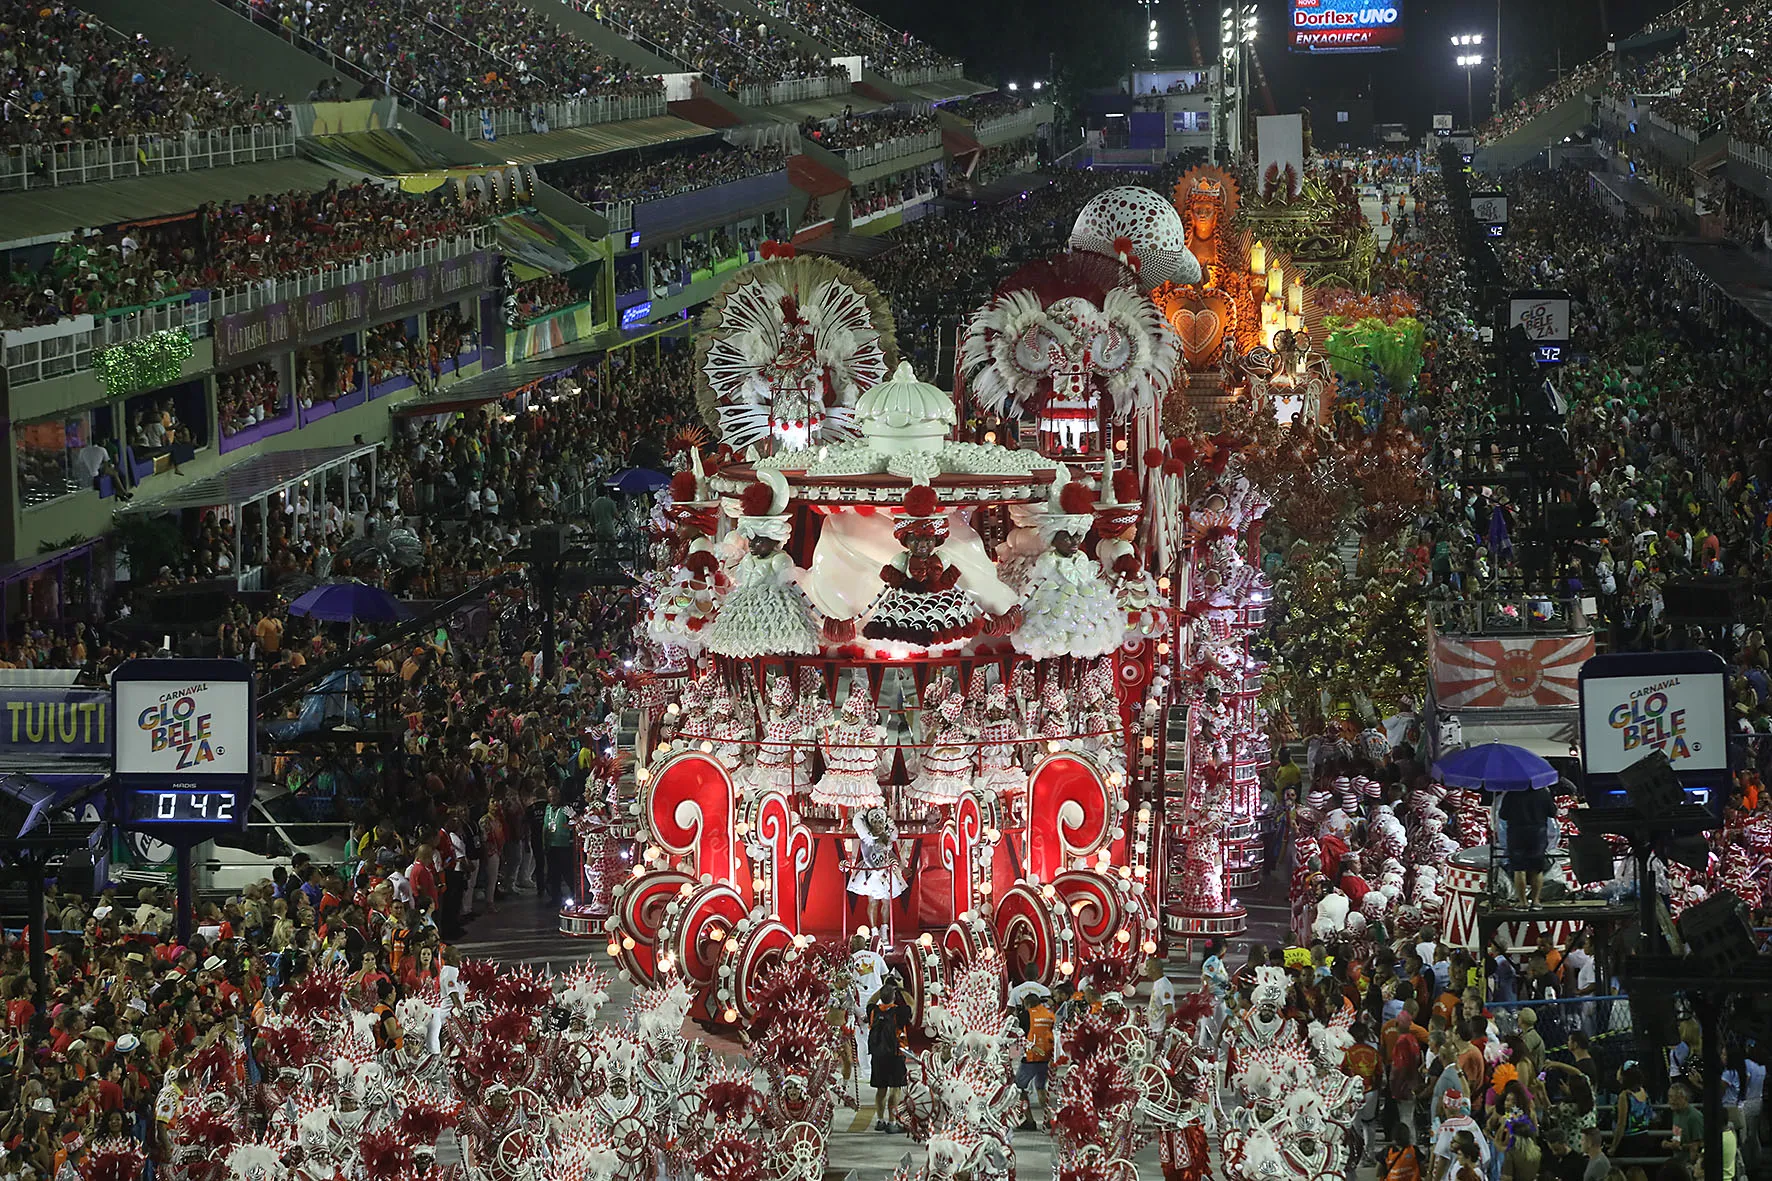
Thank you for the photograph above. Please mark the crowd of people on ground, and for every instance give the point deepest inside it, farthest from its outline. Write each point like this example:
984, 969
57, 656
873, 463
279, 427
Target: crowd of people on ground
847, 28
225, 245
605, 180
716, 40
866, 129
477, 54
67, 76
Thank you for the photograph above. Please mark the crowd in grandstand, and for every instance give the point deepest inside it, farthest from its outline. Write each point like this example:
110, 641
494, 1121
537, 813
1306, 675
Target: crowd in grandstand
711, 38
68, 76
483, 55
247, 396
866, 129
985, 107
848, 29
226, 245
602, 180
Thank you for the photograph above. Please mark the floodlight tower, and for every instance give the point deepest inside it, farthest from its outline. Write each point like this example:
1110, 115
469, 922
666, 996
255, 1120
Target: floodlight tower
1469, 60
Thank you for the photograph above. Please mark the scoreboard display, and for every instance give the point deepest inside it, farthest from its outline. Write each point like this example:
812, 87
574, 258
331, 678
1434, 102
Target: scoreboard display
1344, 26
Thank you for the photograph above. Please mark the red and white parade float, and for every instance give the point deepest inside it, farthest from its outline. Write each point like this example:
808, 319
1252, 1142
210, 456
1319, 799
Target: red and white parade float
911, 663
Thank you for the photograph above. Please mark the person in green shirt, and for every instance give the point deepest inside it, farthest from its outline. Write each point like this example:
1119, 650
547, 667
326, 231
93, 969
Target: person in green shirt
558, 834
1685, 1123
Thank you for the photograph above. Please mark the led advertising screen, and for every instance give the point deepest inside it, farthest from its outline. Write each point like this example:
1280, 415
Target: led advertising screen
1345, 26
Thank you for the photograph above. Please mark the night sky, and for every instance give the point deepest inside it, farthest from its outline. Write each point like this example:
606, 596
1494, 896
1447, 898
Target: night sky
1005, 39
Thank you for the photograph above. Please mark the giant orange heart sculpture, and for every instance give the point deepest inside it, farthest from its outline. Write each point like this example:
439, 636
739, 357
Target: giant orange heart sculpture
1200, 319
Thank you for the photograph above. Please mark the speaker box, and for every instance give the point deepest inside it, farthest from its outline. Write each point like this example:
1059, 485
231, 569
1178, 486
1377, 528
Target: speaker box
1705, 602
1590, 859
547, 543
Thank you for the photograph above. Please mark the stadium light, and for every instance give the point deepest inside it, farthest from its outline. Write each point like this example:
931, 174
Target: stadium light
1468, 62
1014, 86
1038, 84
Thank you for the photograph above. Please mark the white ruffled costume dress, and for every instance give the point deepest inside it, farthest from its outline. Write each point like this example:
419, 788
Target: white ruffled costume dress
765, 613
1069, 610
851, 765
876, 873
947, 766
685, 605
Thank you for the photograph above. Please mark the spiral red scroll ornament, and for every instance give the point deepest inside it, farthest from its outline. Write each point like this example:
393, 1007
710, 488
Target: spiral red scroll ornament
1071, 813
639, 914
688, 808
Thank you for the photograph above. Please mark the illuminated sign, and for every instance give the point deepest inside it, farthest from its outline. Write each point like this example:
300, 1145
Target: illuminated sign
636, 314
184, 741
1548, 354
1542, 315
1673, 702
1345, 26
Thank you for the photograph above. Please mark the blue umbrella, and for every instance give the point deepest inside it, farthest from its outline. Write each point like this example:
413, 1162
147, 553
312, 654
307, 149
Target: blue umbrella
342, 602
1495, 766
639, 479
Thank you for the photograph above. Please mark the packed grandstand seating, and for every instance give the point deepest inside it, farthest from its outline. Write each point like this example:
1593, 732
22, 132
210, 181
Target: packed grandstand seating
708, 37
849, 30
248, 396
985, 107
867, 129
224, 246
648, 176
482, 55
69, 76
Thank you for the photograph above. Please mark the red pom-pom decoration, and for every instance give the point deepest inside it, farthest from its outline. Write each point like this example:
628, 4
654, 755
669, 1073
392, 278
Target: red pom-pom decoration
1153, 457
1174, 467
756, 500
1183, 451
1125, 485
1076, 498
683, 487
921, 501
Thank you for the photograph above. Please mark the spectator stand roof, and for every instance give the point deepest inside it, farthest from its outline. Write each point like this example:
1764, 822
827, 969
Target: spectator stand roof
821, 108
253, 479
598, 138
536, 244
493, 384
949, 88
41, 213
1743, 277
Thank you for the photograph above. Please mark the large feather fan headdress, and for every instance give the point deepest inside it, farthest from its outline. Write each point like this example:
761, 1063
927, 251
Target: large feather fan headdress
803, 321
1076, 313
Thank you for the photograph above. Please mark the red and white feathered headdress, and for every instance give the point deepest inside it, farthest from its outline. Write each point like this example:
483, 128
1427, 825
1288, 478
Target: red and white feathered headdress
1078, 320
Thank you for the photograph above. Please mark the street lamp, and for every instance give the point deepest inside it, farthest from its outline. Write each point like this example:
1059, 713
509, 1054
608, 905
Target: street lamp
1469, 62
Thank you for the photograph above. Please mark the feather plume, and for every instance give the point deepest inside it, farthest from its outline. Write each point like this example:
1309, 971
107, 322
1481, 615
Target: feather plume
384, 1155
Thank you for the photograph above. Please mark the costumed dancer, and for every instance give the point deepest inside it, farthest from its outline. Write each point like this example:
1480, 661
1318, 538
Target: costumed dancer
875, 873
1068, 609
947, 764
765, 613
852, 747
998, 736
685, 606
778, 762
921, 604
1116, 521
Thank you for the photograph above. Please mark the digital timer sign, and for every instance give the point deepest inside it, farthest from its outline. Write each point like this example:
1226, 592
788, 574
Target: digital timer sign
184, 741
1345, 26
184, 807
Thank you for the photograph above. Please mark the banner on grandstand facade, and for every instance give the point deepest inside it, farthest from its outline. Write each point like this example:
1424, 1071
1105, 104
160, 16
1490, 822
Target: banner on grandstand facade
55, 723
263, 332
1511, 672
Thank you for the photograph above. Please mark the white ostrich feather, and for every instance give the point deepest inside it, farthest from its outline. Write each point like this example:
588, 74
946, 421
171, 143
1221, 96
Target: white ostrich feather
245, 1159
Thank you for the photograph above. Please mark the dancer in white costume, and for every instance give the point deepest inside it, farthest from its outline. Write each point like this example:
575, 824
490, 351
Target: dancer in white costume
765, 613
1000, 771
852, 747
875, 873
685, 605
1116, 522
777, 758
1068, 608
947, 764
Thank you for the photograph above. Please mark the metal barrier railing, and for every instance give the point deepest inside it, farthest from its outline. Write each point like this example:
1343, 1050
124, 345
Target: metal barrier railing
1751, 154
892, 149
1020, 123
925, 75
791, 90
1502, 615
72, 351
619, 214
37, 166
42, 354
248, 297
557, 116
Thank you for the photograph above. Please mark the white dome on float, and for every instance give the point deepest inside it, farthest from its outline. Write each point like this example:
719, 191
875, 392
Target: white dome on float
1149, 223
904, 414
